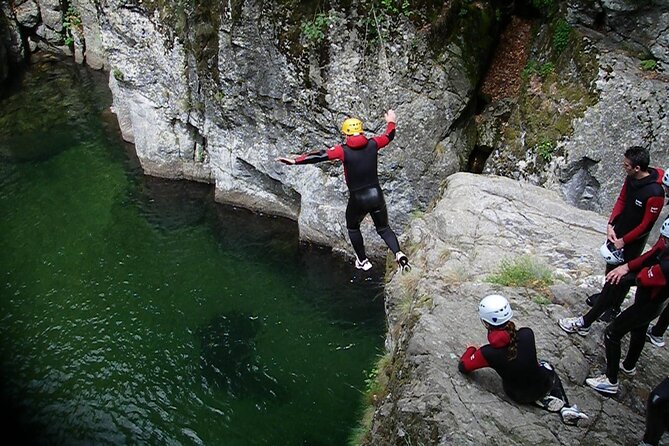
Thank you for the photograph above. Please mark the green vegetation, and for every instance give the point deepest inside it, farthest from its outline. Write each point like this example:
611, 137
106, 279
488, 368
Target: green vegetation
648, 64
313, 31
376, 382
522, 272
541, 5
534, 68
71, 24
545, 149
118, 74
561, 36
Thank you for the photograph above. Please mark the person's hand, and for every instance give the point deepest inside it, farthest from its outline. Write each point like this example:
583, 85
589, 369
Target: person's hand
619, 243
610, 233
285, 160
391, 116
617, 273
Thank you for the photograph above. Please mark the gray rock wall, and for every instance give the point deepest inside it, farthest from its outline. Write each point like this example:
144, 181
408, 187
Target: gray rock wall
226, 125
627, 105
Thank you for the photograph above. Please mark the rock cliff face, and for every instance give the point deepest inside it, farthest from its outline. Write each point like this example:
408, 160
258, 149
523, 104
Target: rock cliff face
215, 92
595, 86
433, 314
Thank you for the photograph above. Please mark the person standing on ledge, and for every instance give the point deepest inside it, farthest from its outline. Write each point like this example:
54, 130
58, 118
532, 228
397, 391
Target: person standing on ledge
635, 212
360, 157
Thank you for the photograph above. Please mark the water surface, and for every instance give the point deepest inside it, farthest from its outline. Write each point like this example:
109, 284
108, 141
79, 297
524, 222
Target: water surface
136, 310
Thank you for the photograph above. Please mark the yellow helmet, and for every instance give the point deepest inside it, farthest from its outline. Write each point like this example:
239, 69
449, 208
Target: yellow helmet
351, 126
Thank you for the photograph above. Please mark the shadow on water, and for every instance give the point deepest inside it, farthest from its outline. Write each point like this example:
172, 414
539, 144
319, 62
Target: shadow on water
230, 361
336, 287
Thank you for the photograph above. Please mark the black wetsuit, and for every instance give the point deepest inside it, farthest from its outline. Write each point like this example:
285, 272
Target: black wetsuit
657, 413
524, 379
360, 157
634, 213
652, 282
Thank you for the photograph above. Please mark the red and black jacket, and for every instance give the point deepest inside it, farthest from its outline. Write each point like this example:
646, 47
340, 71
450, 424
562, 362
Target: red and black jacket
653, 270
523, 379
638, 206
359, 156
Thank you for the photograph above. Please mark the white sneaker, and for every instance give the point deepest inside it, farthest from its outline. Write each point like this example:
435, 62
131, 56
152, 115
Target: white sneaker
657, 341
630, 372
402, 261
602, 384
365, 265
550, 403
573, 325
571, 415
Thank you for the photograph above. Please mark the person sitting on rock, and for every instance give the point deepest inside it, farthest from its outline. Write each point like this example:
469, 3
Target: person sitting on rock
512, 354
360, 157
650, 273
657, 414
634, 213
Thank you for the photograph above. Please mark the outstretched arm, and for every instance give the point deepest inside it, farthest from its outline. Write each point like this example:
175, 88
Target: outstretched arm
307, 158
389, 135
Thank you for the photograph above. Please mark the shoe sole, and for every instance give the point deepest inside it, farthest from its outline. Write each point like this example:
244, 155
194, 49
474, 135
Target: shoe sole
655, 343
608, 392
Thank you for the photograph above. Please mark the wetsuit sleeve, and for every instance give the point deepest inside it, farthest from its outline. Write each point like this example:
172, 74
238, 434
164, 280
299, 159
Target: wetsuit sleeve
653, 276
650, 214
472, 359
647, 258
389, 135
332, 153
619, 205
312, 157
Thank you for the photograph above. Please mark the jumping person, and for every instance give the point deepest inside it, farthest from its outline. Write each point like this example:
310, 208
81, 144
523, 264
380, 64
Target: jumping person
512, 354
657, 414
650, 272
634, 213
360, 157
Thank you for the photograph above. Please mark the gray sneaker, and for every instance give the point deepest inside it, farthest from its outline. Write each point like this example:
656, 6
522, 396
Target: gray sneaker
602, 384
628, 372
573, 325
657, 341
571, 415
550, 403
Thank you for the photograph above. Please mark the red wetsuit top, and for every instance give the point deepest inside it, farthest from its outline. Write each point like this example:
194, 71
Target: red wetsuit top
638, 206
523, 378
653, 267
359, 156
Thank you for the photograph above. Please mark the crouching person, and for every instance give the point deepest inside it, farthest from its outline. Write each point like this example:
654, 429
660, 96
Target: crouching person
512, 354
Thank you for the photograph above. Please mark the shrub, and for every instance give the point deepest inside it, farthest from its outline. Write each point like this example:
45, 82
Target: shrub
314, 31
561, 35
522, 272
648, 64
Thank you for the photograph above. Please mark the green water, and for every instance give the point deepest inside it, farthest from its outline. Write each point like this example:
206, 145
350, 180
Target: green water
135, 310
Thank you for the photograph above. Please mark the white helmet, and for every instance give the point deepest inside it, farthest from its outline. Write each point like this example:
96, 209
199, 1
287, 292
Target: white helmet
612, 255
495, 310
664, 229
665, 178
